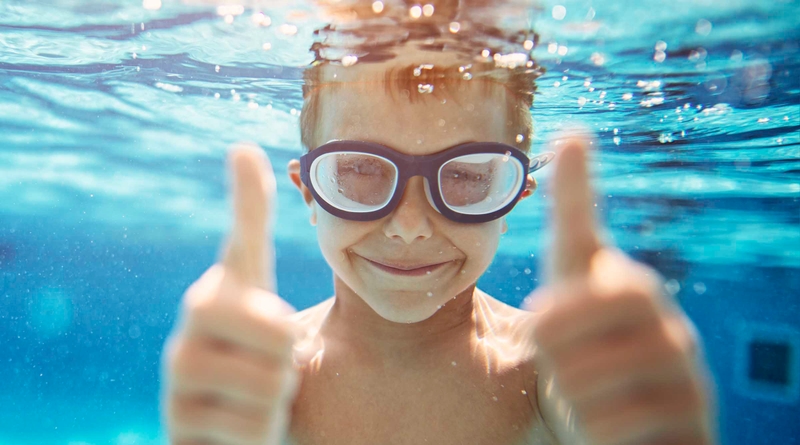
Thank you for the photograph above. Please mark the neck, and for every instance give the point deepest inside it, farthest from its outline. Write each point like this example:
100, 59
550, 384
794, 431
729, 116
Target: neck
352, 321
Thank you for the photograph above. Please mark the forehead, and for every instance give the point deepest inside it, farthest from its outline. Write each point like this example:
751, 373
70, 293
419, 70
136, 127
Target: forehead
368, 111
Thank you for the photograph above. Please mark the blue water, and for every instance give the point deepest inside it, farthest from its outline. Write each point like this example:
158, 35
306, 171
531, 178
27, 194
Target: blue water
115, 119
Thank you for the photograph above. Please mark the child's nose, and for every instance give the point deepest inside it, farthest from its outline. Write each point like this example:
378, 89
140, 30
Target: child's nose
411, 221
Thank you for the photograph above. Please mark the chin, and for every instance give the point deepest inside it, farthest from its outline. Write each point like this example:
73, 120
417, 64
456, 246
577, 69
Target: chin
414, 312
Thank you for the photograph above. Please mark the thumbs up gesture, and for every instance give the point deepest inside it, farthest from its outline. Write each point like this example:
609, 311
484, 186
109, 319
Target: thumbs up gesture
228, 375
618, 360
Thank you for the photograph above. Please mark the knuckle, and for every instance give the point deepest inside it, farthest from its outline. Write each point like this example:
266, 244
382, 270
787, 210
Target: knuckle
200, 300
187, 414
185, 357
680, 340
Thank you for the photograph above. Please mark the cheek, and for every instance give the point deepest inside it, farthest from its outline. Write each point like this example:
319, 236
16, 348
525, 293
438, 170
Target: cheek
480, 243
335, 235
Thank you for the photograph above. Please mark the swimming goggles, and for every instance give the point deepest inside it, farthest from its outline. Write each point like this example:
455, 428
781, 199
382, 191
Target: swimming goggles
473, 182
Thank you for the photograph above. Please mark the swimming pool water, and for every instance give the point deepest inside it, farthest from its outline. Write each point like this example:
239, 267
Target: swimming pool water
115, 119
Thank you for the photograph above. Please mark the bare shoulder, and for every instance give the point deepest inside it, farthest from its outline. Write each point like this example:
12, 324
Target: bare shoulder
514, 328
506, 319
311, 318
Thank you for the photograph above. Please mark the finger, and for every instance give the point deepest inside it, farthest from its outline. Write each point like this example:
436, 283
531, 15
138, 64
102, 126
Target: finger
203, 418
609, 364
575, 238
578, 320
239, 315
250, 252
647, 415
235, 375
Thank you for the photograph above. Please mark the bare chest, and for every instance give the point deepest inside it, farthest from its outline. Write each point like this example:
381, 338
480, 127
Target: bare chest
456, 403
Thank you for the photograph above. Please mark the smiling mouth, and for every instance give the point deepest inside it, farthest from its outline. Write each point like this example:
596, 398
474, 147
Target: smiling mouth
411, 271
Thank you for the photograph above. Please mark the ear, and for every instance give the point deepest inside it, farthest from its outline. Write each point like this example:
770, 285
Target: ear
530, 187
294, 175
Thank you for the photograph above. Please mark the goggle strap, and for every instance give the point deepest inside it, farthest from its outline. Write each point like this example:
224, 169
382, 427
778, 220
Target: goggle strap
540, 161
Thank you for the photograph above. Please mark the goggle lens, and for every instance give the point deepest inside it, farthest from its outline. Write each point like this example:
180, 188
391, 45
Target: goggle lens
354, 182
480, 183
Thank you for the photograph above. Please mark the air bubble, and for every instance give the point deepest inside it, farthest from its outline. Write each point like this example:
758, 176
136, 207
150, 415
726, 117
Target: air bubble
672, 286
425, 88
287, 29
699, 288
151, 5
349, 60
261, 19
224, 10
134, 332
559, 12
703, 27
528, 44
430, 294
455, 27
519, 139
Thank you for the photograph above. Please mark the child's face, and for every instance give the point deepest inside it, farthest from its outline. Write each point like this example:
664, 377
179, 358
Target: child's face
414, 234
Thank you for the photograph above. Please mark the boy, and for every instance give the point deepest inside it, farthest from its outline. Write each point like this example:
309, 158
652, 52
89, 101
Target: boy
408, 350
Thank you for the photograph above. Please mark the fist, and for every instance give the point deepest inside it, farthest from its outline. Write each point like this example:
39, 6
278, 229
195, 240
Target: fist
619, 361
228, 375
